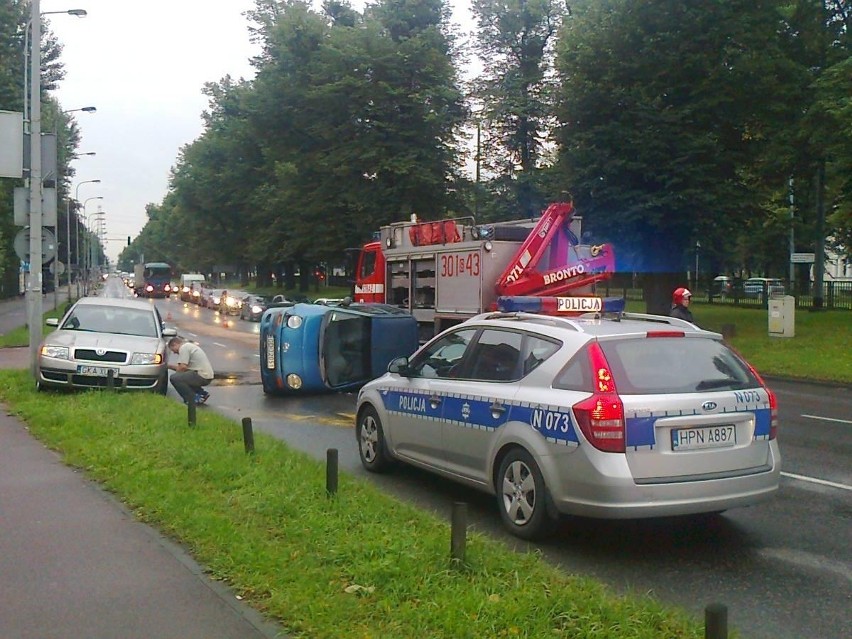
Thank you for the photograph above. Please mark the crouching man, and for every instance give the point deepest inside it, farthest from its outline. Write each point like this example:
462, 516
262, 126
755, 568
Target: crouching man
192, 371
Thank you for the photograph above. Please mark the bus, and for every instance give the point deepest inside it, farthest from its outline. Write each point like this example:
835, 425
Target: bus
153, 279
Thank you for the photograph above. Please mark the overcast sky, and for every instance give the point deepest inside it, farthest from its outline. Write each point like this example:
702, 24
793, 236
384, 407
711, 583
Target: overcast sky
143, 66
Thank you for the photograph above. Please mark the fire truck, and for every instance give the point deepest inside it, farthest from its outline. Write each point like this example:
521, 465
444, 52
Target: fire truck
447, 271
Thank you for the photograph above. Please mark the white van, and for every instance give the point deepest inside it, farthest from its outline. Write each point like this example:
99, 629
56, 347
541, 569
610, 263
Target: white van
188, 282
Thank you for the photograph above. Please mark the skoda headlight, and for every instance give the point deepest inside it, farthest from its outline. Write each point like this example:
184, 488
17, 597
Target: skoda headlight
146, 358
256, 309
294, 321
56, 352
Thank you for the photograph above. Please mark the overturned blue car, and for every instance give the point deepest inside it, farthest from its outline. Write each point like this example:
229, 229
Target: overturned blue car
315, 348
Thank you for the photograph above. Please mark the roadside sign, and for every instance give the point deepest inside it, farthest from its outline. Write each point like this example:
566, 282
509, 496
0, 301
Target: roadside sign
48, 245
802, 258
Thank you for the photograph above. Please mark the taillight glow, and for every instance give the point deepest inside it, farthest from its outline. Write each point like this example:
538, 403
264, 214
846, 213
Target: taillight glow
773, 412
773, 400
601, 416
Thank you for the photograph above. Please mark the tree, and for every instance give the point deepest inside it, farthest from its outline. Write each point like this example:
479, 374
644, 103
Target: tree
515, 41
818, 41
663, 112
358, 119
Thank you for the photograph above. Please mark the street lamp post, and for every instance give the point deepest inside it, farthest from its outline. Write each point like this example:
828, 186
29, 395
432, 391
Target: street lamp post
89, 109
697, 249
90, 245
34, 288
77, 235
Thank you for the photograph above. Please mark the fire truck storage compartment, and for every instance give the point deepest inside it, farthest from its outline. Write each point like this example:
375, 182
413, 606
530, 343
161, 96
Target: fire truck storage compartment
466, 277
399, 283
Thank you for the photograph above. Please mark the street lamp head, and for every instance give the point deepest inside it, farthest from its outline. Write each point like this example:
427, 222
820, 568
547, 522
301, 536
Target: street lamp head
80, 13
89, 109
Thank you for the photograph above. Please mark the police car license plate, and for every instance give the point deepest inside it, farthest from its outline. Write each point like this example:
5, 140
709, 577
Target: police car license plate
705, 437
96, 371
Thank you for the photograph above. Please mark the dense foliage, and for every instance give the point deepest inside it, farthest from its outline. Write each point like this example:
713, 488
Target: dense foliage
680, 129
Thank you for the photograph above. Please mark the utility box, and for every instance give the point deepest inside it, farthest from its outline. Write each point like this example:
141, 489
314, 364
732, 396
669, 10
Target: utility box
782, 316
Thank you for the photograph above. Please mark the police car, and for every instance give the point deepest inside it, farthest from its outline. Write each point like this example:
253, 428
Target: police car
617, 417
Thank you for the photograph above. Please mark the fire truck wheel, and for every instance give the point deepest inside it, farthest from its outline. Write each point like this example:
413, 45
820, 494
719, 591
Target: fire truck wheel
371, 441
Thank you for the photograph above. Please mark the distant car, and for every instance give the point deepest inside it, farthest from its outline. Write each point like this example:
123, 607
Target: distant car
252, 307
755, 287
230, 302
211, 298
723, 286
101, 337
312, 348
617, 418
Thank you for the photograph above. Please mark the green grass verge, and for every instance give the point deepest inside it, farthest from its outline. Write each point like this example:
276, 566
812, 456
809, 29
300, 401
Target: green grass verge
819, 350
358, 565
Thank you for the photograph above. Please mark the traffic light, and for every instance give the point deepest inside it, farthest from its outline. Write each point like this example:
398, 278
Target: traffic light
319, 273
128, 240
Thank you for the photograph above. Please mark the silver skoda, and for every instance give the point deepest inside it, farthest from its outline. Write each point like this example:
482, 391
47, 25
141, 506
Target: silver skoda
103, 340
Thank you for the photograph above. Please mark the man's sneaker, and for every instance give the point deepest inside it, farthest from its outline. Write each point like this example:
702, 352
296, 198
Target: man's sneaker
202, 397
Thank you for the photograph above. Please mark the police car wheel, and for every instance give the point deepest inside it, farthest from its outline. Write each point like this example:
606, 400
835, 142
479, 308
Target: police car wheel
371, 441
522, 496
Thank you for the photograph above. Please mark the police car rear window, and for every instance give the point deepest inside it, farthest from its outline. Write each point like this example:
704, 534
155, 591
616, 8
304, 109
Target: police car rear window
675, 365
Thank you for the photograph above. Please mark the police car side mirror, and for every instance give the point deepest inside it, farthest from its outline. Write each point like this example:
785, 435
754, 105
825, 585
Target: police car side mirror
399, 366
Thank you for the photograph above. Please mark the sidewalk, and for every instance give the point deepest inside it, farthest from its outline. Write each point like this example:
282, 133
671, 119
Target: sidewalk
75, 563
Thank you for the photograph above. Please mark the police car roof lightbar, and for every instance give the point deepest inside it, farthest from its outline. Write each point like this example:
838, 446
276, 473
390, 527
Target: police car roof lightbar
560, 305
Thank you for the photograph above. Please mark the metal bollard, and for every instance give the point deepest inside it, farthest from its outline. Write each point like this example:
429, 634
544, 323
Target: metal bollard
248, 436
458, 532
331, 471
716, 621
111, 379
190, 413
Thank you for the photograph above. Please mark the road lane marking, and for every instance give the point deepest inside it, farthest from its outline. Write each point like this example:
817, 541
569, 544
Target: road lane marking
829, 419
222, 345
814, 480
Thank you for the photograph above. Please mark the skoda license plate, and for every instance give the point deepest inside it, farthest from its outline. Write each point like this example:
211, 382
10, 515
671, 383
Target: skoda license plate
96, 371
705, 437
